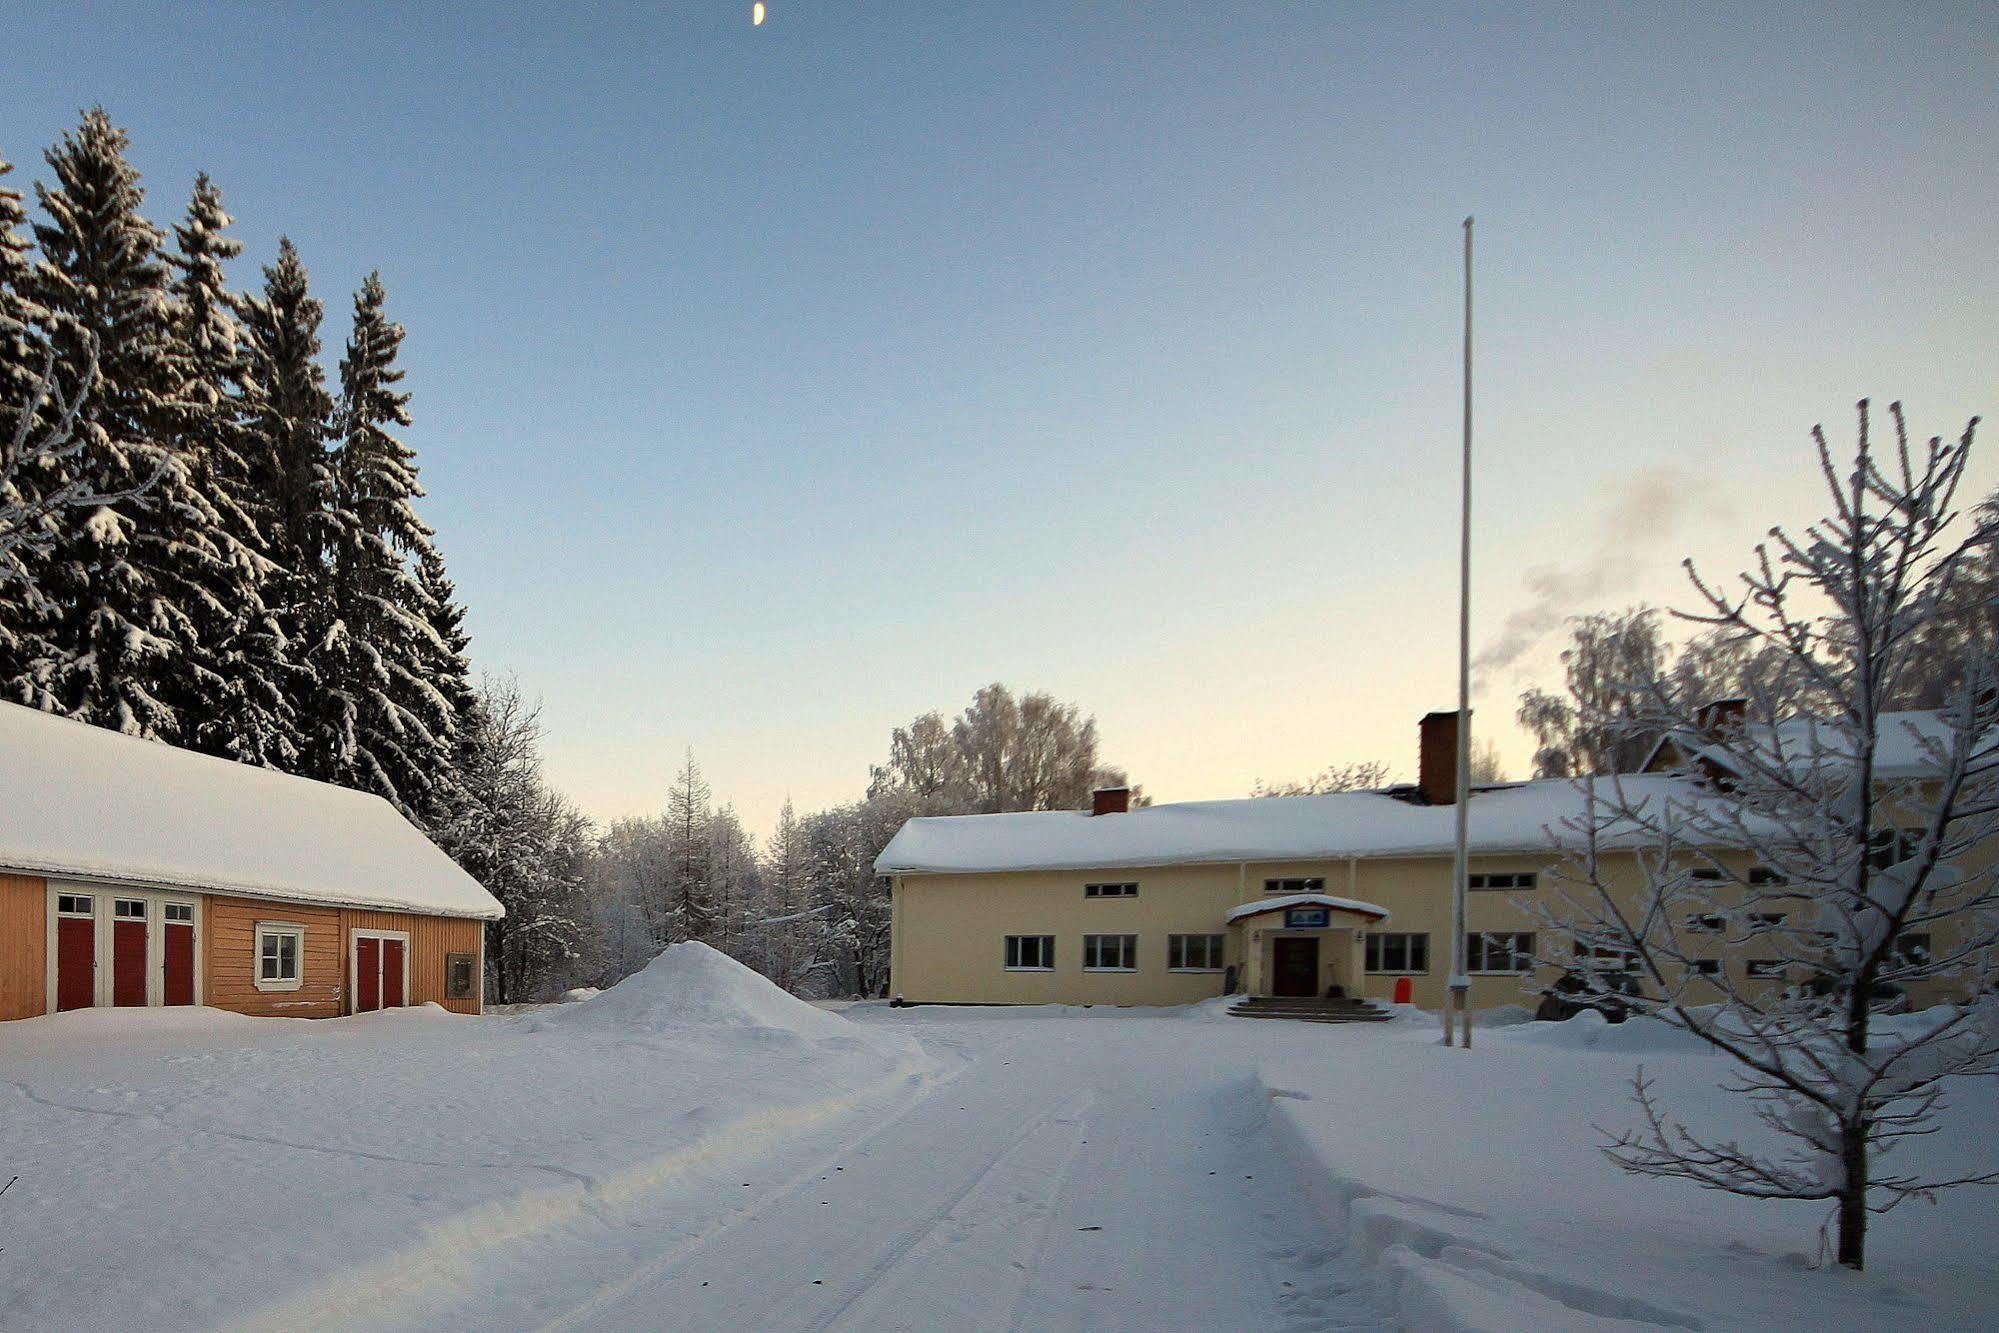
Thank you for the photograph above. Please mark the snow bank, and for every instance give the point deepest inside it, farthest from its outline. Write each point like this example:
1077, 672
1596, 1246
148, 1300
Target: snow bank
1472, 1184
691, 987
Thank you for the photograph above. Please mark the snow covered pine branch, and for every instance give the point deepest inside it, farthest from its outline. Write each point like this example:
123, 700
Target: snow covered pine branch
1821, 872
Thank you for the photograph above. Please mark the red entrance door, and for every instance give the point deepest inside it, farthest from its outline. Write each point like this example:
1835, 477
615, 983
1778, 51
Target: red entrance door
76, 962
178, 941
368, 974
392, 974
1295, 965
128, 953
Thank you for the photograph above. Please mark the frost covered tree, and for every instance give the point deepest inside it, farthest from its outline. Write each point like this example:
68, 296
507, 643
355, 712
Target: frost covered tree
123, 589
1367, 775
791, 932
1853, 845
379, 722
521, 839
689, 909
1001, 753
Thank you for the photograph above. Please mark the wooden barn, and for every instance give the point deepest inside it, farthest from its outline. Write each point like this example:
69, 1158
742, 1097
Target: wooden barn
137, 874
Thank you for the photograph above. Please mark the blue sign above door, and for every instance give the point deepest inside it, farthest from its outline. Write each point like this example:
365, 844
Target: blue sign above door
1306, 918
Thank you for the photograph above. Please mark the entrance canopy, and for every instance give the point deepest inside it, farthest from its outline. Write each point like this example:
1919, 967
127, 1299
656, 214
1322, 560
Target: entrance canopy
1309, 911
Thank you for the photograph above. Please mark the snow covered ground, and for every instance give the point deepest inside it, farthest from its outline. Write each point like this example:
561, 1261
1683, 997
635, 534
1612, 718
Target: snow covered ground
695, 1150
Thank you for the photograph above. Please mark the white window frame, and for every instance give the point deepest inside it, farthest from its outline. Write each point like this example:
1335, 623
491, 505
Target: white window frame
1127, 945
1290, 884
276, 928
1124, 888
1049, 966
1706, 967
354, 938
1483, 938
1218, 950
103, 898
1514, 881
1379, 949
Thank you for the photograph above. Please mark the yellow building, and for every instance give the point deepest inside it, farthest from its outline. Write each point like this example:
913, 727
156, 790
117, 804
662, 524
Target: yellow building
1346, 894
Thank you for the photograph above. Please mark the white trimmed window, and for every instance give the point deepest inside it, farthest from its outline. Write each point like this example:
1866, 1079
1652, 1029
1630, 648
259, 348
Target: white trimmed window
1194, 953
1505, 881
280, 956
1500, 952
1605, 957
1030, 953
1704, 967
1760, 922
1125, 890
75, 904
1110, 953
1764, 969
1398, 952
1313, 884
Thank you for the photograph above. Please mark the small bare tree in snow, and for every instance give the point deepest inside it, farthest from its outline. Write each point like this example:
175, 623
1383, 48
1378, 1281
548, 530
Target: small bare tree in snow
1849, 851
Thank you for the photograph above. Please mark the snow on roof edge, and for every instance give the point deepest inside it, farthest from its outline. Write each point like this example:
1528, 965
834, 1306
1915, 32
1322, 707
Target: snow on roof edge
1282, 902
273, 892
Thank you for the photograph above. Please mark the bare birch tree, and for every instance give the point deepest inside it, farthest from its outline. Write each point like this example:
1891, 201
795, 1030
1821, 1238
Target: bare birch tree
1849, 850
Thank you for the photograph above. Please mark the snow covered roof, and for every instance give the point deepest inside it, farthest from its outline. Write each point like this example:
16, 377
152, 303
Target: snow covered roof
81, 800
1288, 900
1908, 744
1515, 818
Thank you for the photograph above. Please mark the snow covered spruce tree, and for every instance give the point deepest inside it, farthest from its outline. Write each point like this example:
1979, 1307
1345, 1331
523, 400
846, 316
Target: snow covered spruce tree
235, 697
1850, 850
120, 590
378, 721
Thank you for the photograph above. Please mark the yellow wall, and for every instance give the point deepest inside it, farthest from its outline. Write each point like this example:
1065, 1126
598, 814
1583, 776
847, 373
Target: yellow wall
949, 930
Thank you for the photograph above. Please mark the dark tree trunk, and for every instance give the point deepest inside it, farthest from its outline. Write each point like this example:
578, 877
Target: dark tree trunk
1853, 1200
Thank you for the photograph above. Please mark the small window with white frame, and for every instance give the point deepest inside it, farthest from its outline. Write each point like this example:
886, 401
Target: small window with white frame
1500, 952
177, 913
1707, 923
280, 956
1398, 953
1194, 953
1704, 967
1125, 889
1503, 881
128, 909
1295, 884
1030, 953
1110, 953
1764, 969
75, 904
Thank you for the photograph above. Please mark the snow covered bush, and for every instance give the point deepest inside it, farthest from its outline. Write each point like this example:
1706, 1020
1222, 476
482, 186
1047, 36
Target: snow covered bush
1849, 851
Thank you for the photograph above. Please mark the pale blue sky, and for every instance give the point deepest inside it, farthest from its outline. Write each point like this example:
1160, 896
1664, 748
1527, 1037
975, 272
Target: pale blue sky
774, 385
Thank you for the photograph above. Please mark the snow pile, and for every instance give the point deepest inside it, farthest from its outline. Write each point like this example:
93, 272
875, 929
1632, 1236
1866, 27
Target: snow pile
1591, 1031
692, 987
579, 994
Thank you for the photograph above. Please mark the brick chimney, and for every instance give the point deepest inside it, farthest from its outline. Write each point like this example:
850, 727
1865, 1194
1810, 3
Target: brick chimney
1110, 801
1437, 758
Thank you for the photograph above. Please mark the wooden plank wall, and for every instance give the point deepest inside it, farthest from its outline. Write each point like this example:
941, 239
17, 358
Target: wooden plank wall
24, 946
229, 935
431, 938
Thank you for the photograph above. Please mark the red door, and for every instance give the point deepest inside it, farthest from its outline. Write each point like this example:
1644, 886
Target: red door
179, 967
392, 974
128, 955
368, 974
76, 962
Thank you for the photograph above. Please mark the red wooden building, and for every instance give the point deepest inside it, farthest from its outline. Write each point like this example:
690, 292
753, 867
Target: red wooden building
133, 873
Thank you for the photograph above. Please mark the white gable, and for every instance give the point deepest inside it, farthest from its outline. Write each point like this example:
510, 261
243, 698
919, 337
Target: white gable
80, 800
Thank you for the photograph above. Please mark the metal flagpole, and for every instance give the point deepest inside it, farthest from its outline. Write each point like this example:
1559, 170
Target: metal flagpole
1460, 983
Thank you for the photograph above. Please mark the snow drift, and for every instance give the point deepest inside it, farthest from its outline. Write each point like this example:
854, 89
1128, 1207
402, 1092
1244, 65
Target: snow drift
692, 988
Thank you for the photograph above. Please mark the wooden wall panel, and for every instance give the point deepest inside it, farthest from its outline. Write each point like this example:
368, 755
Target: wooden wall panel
229, 944
431, 938
24, 946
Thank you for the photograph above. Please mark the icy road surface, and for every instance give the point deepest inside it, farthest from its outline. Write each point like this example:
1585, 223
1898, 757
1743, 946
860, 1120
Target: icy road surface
1055, 1174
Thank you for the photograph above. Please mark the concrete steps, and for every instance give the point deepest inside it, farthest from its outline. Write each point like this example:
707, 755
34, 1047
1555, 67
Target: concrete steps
1309, 1010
